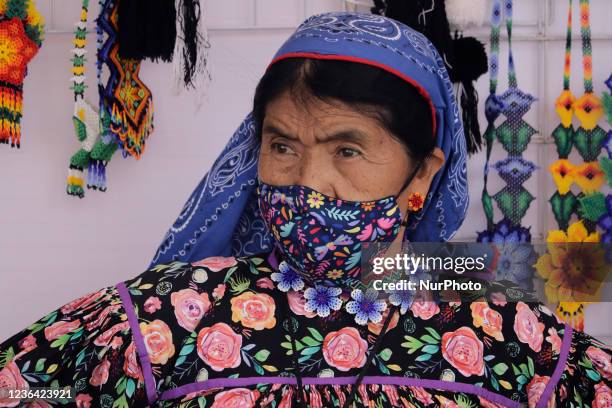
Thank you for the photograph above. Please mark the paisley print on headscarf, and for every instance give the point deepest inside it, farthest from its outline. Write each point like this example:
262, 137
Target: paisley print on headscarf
222, 215
320, 236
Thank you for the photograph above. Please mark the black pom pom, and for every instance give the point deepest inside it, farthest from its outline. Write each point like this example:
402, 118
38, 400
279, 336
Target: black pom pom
147, 29
470, 59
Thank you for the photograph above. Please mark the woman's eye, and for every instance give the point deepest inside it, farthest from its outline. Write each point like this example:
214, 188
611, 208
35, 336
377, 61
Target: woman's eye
348, 152
281, 148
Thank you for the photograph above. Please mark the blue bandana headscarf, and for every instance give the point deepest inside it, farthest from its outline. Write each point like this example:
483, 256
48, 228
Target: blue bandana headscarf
221, 218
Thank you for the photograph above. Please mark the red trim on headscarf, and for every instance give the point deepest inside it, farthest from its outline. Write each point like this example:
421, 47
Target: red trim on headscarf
395, 72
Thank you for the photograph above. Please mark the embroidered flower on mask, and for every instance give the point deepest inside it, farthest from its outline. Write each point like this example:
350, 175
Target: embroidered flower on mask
366, 306
335, 274
322, 300
287, 278
565, 107
315, 200
588, 110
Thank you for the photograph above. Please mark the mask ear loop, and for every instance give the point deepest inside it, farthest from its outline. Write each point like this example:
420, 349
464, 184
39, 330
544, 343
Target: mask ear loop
406, 184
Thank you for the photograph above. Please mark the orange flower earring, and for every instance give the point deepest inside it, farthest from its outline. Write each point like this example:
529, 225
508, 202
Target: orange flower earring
415, 201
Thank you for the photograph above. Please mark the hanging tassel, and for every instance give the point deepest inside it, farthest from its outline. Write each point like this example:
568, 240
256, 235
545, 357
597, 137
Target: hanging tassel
190, 66
11, 101
465, 58
147, 29
470, 63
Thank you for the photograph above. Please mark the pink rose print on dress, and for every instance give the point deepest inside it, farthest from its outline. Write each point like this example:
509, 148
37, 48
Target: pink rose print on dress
554, 340
10, 378
423, 305
254, 310
131, 367
421, 395
345, 349
536, 388
189, 307
464, 351
216, 263
60, 328
219, 291
603, 396
236, 398
528, 328
158, 341
83, 401
152, 304
99, 376
487, 318
219, 346
601, 360
297, 302
83, 302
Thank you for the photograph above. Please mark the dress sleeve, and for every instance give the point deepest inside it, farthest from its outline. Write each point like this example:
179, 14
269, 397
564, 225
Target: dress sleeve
86, 346
586, 375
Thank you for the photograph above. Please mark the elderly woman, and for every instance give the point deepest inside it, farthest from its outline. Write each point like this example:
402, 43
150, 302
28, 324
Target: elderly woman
353, 123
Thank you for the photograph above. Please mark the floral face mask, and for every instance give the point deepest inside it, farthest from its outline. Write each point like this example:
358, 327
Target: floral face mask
320, 236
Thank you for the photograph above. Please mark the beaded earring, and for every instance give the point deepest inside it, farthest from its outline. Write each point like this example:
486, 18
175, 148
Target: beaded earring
415, 201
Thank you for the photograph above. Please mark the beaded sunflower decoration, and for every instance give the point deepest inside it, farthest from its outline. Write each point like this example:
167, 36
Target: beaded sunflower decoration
589, 205
21, 34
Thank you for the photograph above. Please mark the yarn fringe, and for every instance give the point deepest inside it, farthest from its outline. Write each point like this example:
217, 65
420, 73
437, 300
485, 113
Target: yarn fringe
190, 64
11, 110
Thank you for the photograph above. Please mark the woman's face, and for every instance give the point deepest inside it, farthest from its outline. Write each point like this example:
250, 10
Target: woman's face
337, 151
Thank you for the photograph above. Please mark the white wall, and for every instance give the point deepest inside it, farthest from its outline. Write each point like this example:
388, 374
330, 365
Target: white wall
54, 248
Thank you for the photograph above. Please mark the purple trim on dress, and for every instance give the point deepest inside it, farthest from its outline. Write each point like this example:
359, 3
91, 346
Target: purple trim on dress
246, 381
141, 349
554, 379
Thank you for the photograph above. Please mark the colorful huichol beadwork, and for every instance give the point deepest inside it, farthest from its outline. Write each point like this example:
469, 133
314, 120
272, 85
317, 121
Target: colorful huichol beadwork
588, 139
125, 114
21, 35
514, 134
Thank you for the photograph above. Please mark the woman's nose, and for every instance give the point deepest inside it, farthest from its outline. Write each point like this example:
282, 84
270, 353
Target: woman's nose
314, 174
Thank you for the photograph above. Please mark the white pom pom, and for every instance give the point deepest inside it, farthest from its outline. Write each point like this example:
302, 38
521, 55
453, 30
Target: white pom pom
463, 14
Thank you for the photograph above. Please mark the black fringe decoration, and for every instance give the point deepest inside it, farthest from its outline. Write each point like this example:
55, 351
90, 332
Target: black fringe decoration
463, 56
147, 29
470, 63
190, 14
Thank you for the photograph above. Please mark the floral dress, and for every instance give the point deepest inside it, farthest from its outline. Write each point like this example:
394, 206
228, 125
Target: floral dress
218, 333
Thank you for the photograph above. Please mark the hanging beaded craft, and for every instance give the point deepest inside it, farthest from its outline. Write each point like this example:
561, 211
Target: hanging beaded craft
21, 35
125, 113
514, 134
588, 140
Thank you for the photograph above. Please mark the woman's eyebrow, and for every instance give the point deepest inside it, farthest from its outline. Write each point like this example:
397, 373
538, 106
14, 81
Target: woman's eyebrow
349, 135
268, 128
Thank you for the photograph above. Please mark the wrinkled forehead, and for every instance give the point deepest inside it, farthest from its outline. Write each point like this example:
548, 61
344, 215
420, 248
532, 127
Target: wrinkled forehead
373, 40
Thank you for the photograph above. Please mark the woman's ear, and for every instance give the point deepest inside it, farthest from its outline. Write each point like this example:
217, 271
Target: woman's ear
422, 180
